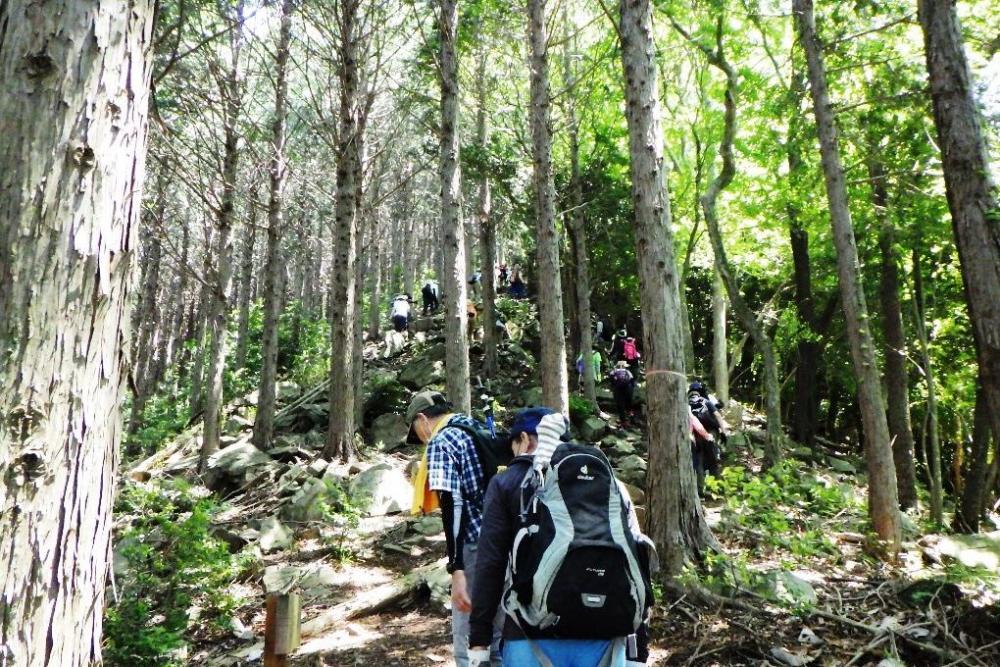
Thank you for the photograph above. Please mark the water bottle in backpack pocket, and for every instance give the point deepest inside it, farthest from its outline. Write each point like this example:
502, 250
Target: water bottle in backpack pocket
575, 569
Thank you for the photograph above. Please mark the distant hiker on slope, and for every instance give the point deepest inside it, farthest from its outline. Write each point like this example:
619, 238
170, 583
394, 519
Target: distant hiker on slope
429, 293
594, 602
462, 455
400, 313
518, 288
623, 388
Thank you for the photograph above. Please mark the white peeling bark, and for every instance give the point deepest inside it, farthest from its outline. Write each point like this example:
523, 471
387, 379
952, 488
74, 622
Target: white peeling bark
75, 81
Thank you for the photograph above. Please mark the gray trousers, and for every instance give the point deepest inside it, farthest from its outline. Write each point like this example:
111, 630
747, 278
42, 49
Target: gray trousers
460, 620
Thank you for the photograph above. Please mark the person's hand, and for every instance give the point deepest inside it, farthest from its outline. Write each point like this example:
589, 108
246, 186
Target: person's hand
460, 592
479, 656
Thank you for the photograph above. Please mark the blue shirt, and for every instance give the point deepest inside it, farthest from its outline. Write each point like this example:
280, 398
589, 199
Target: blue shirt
453, 466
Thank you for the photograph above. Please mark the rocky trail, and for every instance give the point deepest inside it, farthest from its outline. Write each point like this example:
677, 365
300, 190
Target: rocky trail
372, 580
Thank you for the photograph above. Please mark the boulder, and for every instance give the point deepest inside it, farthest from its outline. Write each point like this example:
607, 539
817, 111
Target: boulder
389, 431
237, 463
592, 429
236, 424
308, 503
318, 467
428, 525
531, 396
380, 490
287, 391
422, 372
617, 447
632, 462
788, 587
841, 466
274, 535
637, 495
309, 417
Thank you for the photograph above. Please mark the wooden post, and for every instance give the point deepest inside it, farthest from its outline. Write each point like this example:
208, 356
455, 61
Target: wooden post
281, 629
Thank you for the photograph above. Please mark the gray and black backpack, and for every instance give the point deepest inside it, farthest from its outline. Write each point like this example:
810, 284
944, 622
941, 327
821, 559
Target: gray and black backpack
576, 571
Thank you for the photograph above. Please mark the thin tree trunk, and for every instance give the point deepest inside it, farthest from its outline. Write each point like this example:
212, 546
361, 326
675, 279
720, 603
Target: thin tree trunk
246, 278
375, 292
806, 412
676, 521
340, 438
883, 502
773, 447
897, 387
176, 348
933, 452
555, 387
970, 508
972, 194
720, 351
200, 319
74, 142
263, 427
221, 276
487, 229
451, 270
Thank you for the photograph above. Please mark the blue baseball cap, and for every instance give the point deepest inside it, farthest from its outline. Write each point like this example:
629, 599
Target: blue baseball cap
527, 420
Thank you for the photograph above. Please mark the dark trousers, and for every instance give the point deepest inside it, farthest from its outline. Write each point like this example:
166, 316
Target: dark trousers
400, 322
623, 401
430, 303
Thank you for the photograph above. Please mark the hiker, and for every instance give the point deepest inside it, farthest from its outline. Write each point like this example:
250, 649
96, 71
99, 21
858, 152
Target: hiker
607, 333
502, 279
623, 388
617, 345
472, 315
518, 289
595, 360
570, 623
706, 409
474, 282
429, 292
452, 476
400, 314
703, 449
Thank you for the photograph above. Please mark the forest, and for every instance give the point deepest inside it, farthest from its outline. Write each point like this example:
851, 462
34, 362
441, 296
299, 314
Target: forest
241, 239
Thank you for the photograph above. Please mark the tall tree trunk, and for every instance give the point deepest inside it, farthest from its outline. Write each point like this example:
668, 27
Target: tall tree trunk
487, 229
972, 194
971, 506
883, 502
199, 318
75, 77
221, 276
176, 347
806, 412
375, 291
676, 521
555, 387
340, 438
933, 454
451, 271
720, 348
897, 387
263, 427
246, 278
773, 448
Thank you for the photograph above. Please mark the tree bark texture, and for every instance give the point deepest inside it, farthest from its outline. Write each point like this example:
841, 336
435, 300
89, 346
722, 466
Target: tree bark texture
720, 348
897, 387
806, 411
340, 437
263, 427
972, 194
75, 79
969, 509
198, 320
676, 520
221, 275
452, 251
487, 229
883, 502
555, 386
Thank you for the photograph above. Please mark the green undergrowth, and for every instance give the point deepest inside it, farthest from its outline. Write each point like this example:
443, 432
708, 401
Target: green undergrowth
172, 576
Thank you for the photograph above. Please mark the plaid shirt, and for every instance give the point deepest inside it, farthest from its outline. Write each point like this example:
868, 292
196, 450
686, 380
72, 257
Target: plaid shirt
453, 465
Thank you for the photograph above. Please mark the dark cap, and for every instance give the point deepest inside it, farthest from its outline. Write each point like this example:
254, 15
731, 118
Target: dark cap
421, 402
527, 420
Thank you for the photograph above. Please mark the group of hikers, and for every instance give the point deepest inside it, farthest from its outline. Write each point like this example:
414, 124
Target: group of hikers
549, 566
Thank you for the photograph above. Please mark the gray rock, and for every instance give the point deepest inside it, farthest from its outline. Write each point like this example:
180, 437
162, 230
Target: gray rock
308, 503
422, 372
531, 396
380, 490
841, 466
617, 447
286, 391
236, 424
313, 580
318, 467
788, 587
236, 459
274, 535
592, 429
389, 431
637, 495
632, 462
605, 395
428, 525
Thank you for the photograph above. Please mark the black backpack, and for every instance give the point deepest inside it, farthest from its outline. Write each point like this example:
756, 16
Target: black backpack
493, 450
701, 409
575, 568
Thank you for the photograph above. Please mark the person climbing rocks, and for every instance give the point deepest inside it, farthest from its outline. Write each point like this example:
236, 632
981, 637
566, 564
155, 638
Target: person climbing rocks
400, 313
429, 293
451, 476
518, 288
623, 389
536, 440
502, 279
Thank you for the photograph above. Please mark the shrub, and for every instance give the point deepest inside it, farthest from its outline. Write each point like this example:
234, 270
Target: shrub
174, 565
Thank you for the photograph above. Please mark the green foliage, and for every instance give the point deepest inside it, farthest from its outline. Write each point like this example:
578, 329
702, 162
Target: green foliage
520, 312
303, 345
164, 415
786, 505
579, 408
174, 565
